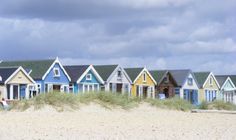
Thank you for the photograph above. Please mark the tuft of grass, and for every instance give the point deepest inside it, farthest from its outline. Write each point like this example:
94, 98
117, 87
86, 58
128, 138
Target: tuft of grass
61, 100
203, 105
56, 99
20, 105
108, 99
218, 105
221, 105
171, 103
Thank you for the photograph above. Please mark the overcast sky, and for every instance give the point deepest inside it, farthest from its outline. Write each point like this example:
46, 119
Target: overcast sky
158, 34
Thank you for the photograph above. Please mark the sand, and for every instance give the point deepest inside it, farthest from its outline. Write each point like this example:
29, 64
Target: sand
95, 122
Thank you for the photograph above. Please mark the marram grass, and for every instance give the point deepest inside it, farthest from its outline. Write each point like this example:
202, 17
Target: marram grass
62, 101
171, 103
218, 105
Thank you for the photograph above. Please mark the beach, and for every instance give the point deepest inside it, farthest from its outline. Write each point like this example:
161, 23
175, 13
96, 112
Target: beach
95, 122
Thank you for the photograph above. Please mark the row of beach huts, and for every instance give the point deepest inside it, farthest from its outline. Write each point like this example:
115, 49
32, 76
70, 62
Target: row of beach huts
26, 79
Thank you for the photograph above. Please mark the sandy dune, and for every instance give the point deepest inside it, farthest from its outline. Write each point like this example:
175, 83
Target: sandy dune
95, 122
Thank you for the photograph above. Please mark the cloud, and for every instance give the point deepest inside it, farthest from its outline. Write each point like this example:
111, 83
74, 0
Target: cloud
161, 34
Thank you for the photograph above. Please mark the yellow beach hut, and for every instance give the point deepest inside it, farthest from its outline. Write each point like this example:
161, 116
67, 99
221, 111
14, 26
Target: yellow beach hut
208, 86
143, 84
15, 84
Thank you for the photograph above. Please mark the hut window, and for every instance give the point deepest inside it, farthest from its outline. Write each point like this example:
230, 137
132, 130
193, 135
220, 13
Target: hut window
190, 81
119, 74
56, 72
89, 77
211, 82
144, 77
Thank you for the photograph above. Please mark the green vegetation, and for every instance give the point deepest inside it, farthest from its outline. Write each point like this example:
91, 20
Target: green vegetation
62, 101
203, 105
172, 103
218, 105
109, 100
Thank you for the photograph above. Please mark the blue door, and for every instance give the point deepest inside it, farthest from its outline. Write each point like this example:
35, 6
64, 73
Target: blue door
22, 91
191, 96
194, 97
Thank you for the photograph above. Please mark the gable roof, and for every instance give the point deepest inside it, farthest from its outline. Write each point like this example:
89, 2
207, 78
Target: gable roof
75, 72
133, 72
180, 76
105, 70
38, 68
6, 72
233, 79
201, 77
158, 74
221, 79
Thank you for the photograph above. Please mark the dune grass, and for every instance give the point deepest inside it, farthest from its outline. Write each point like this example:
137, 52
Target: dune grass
109, 100
62, 101
172, 103
218, 105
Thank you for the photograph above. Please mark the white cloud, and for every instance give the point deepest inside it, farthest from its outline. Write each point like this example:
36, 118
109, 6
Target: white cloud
219, 67
227, 45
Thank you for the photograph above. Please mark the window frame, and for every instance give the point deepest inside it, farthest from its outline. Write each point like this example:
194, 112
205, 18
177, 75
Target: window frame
90, 77
190, 81
119, 73
144, 77
211, 81
56, 74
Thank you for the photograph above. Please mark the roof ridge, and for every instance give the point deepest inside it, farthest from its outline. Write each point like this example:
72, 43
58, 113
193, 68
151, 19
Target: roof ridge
136, 68
74, 65
179, 70
107, 65
202, 72
28, 60
8, 67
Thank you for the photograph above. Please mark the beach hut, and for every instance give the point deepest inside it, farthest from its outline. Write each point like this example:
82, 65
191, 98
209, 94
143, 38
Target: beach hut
49, 75
165, 82
115, 78
143, 84
227, 88
84, 78
187, 88
208, 86
15, 84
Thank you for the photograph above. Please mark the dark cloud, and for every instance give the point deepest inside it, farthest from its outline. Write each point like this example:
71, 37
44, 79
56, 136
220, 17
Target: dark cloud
154, 33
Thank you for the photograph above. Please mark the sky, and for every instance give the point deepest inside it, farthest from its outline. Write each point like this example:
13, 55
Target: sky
158, 34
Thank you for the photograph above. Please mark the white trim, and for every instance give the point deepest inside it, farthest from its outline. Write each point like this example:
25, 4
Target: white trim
94, 72
209, 76
88, 78
54, 72
144, 77
190, 73
114, 72
230, 82
24, 72
145, 70
88, 87
48, 71
162, 78
188, 79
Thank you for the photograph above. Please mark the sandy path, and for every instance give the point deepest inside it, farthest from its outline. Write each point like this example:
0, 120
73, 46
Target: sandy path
95, 122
